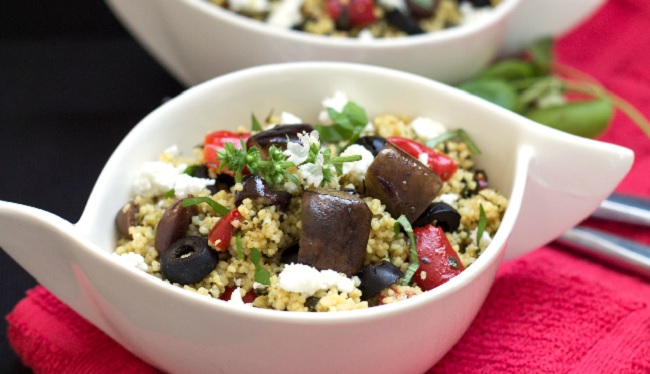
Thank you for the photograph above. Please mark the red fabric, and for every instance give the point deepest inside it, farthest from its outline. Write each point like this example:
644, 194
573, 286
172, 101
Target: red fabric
548, 312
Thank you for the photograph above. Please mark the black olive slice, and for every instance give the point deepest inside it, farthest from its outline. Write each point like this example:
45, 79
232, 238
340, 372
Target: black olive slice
376, 277
440, 214
372, 143
422, 8
222, 181
188, 260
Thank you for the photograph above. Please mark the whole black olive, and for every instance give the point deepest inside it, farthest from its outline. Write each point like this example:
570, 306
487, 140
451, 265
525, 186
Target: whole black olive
188, 260
222, 181
376, 277
255, 188
372, 143
441, 214
278, 136
403, 22
173, 225
126, 217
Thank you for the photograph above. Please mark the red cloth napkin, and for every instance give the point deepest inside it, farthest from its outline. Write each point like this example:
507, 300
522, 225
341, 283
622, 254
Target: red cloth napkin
549, 312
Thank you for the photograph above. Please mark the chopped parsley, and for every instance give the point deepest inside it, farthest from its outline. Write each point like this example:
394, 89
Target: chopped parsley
482, 222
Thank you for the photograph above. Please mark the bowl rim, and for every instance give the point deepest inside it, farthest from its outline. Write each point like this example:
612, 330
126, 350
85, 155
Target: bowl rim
494, 253
500, 12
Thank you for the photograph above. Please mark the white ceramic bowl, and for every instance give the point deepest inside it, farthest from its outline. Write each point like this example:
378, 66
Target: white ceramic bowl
553, 181
196, 40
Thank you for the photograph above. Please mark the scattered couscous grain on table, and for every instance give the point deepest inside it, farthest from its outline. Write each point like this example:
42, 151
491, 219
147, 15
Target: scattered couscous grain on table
348, 214
363, 19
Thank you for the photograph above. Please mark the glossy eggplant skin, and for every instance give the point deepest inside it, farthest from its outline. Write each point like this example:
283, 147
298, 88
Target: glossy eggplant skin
278, 136
335, 230
401, 182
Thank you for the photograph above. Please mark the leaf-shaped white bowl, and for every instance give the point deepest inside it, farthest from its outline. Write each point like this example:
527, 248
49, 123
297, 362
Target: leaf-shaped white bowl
553, 181
196, 40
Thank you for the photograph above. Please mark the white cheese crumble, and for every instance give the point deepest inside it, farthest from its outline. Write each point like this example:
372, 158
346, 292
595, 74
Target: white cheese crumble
486, 239
365, 35
427, 128
306, 279
336, 102
473, 15
132, 259
157, 178
286, 14
356, 170
423, 158
449, 198
255, 6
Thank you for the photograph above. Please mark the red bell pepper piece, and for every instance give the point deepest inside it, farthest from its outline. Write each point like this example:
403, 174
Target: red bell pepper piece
227, 294
438, 260
215, 141
220, 235
437, 161
359, 12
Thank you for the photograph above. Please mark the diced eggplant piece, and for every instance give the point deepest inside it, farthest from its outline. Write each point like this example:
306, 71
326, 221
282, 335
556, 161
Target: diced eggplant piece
173, 225
376, 277
278, 136
335, 230
290, 254
255, 188
440, 214
422, 8
401, 182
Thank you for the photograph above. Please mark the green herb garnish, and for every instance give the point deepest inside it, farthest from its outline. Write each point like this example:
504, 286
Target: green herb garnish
395, 230
459, 134
220, 209
255, 124
240, 249
169, 194
273, 171
262, 276
346, 125
413, 252
482, 222
539, 88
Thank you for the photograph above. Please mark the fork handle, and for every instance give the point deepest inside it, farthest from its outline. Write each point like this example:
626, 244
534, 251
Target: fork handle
623, 208
609, 248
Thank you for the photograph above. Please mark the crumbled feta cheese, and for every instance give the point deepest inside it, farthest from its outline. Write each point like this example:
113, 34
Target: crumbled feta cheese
424, 158
393, 4
171, 152
427, 128
235, 297
365, 34
356, 170
157, 178
336, 102
473, 15
287, 118
449, 198
486, 239
286, 14
306, 279
132, 259
255, 6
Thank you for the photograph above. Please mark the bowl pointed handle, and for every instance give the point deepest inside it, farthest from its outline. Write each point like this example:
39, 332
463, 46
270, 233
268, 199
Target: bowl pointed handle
43, 244
567, 178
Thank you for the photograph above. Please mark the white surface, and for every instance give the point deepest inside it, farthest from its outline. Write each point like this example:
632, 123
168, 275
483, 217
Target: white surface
182, 332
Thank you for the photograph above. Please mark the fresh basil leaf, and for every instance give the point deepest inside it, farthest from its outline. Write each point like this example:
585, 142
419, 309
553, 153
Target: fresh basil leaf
220, 209
509, 69
169, 194
583, 118
240, 249
482, 222
495, 91
262, 276
459, 134
328, 133
255, 126
413, 252
541, 52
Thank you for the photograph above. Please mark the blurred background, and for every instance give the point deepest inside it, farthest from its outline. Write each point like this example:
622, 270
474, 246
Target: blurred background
73, 82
